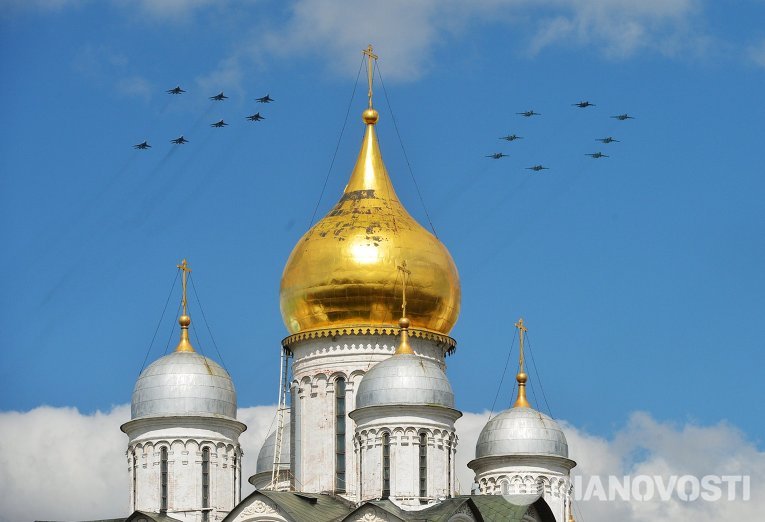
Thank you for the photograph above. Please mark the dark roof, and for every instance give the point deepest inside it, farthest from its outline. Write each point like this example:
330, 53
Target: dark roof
136, 515
313, 507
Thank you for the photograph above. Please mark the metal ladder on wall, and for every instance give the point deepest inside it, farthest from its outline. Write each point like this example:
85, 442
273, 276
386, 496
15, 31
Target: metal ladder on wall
281, 409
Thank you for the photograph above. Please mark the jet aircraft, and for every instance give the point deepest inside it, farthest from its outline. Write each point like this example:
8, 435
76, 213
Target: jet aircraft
528, 114
219, 97
511, 137
537, 168
265, 99
607, 140
597, 155
219, 124
255, 117
622, 117
142, 146
497, 155
179, 140
175, 90
583, 104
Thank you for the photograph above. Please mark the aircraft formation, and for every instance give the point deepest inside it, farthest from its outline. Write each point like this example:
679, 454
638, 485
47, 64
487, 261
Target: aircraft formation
584, 104
181, 140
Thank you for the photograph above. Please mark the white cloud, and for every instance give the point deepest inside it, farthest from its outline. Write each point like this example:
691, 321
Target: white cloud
408, 33
757, 53
41, 5
57, 463
103, 66
227, 76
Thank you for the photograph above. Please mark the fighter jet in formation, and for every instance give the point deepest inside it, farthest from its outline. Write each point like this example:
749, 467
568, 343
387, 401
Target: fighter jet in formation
219, 97
219, 124
583, 104
265, 99
255, 117
497, 155
142, 146
179, 140
537, 168
175, 90
511, 137
607, 140
622, 117
596, 155
528, 114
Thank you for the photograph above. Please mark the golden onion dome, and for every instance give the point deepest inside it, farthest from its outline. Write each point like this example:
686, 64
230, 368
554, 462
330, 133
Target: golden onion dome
345, 270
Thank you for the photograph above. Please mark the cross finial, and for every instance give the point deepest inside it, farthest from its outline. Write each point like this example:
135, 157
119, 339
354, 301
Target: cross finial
521, 330
521, 401
370, 69
405, 272
184, 266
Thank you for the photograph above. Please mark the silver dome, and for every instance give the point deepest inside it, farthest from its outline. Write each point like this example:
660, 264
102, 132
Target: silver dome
266, 455
183, 383
521, 431
405, 379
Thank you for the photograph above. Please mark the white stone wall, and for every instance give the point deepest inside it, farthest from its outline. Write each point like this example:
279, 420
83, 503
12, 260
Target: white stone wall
549, 477
185, 446
404, 424
317, 362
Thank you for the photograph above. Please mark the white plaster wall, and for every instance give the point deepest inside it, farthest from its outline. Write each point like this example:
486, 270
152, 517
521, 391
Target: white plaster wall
405, 423
148, 436
317, 363
548, 476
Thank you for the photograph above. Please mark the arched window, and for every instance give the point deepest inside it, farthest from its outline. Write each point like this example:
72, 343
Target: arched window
236, 472
163, 479
504, 487
293, 434
205, 484
134, 464
385, 465
449, 467
423, 466
361, 465
340, 435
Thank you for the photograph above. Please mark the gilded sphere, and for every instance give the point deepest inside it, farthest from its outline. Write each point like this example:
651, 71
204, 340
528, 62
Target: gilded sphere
370, 116
347, 270
404, 322
522, 377
184, 320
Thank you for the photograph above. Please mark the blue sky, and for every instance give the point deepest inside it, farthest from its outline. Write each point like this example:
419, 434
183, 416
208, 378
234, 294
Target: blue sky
640, 276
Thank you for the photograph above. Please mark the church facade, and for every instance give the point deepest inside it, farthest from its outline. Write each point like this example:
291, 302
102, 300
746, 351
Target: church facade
367, 429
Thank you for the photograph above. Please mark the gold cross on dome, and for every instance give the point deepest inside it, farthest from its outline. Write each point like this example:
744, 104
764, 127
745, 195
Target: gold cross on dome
405, 273
521, 330
184, 266
370, 69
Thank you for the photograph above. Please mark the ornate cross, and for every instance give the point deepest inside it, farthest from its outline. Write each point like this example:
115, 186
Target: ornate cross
370, 69
405, 273
184, 266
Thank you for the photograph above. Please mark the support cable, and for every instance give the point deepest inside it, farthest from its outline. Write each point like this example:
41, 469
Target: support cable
539, 380
172, 330
408, 164
502, 379
207, 324
337, 147
156, 330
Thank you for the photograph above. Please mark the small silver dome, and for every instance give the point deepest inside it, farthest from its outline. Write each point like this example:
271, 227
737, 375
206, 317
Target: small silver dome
405, 379
183, 383
266, 455
521, 431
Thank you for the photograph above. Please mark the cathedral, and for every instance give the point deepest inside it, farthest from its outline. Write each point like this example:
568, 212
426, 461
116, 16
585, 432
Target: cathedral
365, 428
